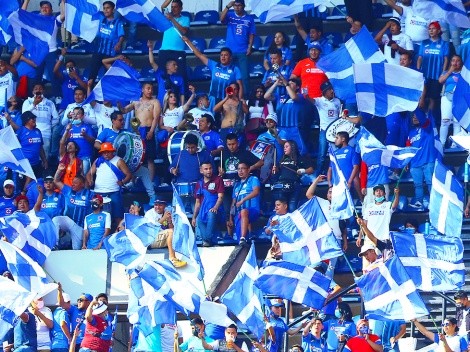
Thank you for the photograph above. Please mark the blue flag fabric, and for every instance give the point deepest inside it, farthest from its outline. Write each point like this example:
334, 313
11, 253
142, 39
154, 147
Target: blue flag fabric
338, 65
305, 236
145, 230
119, 84
33, 233
143, 11
82, 18
184, 240
444, 11
342, 206
12, 156
6, 9
381, 90
433, 262
244, 299
390, 294
126, 248
461, 100
270, 10
34, 32
297, 283
446, 201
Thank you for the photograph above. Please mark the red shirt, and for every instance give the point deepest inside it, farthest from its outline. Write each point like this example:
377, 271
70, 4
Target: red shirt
311, 76
214, 186
359, 344
92, 338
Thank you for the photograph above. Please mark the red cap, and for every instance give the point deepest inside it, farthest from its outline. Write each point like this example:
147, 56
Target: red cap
21, 197
99, 197
435, 24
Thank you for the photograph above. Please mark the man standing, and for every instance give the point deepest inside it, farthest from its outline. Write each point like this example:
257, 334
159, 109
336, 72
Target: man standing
79, 95
394, 43
313, 36
240, 35
202, 108
364, 341
97, 225
108, 135
229, 343
8, 78
311, 76
278, 69
311, 336
7, 206
53, 202
462, 303
212, 140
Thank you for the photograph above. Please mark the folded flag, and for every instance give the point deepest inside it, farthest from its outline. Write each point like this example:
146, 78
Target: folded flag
444, 11
434, 263
297, 283
244, 299
446, 201
82, 18
390, 294
143, 11
126, 248
12, 155
342, 206
381, 90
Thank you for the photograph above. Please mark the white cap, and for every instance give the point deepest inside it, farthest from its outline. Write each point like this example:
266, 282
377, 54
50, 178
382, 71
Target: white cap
8, 183
272, 116
99, 308
365, 248
66, 297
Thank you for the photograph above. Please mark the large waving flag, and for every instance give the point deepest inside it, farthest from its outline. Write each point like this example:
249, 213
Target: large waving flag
143, 11
119, 83
342, 206
270, 10
13, 302
33, 233
461, 100
305, 236
390, 294
433, 262
6, 9
244, 299
26, 272
163, 277
12, 155
338, 65
34, 32
444, 11
297, 283
184, 240
446, 201
82, 18
381, 89
126, 248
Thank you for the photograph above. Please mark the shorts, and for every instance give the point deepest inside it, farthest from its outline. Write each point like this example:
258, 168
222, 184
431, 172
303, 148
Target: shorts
433, 89
150, 145
160, 240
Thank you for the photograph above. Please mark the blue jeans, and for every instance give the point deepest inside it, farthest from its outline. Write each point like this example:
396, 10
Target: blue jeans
206, 230
322, 149
291, 196
241, 60
420, 174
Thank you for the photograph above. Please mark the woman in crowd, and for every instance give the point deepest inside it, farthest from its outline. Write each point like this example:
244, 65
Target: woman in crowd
448, 339
258, 109
172, 113
341, 328
68, 152
281, 42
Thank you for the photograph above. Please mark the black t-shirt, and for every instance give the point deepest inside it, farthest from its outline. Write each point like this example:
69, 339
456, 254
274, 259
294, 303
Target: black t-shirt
288, 168
230, 162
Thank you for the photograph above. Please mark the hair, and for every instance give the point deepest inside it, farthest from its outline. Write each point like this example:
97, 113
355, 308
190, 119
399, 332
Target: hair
231, 136
273, 44
296, 80
79, 108
409, 55
80, 89
299, 347
207, 162
72, 61
166, 98
345, 311
80, 177
252, 99
115, 114
227, 49
275, 51
453, 321
236, 84
178, 2
412, 222
209, 119
109, 3
294, 154
191, 139
317, 27
460, 294
197, 321
344, 135
281, 199
102, 295
232, 326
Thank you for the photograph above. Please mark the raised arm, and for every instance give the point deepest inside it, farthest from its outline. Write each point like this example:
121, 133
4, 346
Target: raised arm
299, 28
224, 12
191, 98
311, 190
151, 45
204, 59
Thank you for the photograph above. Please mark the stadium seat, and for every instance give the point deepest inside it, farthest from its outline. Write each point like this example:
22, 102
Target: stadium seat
338, 13
402, 203
147, 74
187, 14
257, 43
387, 12
205, 17
82, 47
267, 42
293, 41
334, 38
215, 45
136, 49
377, 10
201, 73
199, 43
256, 70
189, 71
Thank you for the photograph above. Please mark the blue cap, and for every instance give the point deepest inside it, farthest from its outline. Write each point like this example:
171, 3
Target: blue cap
86, 296
315, 45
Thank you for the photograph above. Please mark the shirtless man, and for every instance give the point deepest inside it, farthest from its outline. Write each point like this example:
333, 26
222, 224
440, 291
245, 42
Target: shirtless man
147, 110
233, 110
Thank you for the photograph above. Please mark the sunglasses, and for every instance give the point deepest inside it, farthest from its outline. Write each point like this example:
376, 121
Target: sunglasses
445, 324
81, 300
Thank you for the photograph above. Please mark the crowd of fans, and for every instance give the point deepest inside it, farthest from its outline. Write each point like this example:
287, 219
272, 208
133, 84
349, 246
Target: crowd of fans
222, 149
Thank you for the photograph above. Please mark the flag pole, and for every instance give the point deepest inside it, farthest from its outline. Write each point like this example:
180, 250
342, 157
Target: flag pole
398, 182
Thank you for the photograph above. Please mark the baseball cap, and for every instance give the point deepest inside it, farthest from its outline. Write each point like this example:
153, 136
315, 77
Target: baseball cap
49, 179
379, 186
325, 86
276, 303
99, 308
86, 296
272, 116
365, 248
314, 45
8, 183
159, 201
396, 20
20, 198
99, 197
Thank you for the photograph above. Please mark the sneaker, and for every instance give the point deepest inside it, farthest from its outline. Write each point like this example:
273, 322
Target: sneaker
243, 242
416, 205
206, 244
178, 263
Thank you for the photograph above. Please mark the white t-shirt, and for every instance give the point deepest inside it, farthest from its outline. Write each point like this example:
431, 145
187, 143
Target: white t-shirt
167, 336
325, 206
89, 116
197, 113
103, 116
415, 27
378, 219
172, 118
402, 40
328, 110
44, 339
7, 88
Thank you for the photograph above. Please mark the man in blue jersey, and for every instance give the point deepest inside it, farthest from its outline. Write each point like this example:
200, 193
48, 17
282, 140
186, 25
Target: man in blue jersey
61, 334
97, 225
277, 69
313, 36
109, 39
77, 206
7, 206
223, 73
53, 202
212, 140
240, 35
110, 134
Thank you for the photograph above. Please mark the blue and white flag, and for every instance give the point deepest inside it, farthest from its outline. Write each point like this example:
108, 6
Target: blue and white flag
297, 283
33, 233
461, 100
12, 156
184, 240
338, 65
270, 10
342, 206
82, 18
444, 11
119, 83
126, 248
305, 237
6, 9
26, 272
14, 300
244, 299
433, 262
143, 11
381, 89
446, 201
34, 32
147, 307
390, 294
163, 277
144, 229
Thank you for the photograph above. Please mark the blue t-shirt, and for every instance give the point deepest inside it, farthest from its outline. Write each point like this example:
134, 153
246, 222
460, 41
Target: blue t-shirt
212, 140
189, 164
77, 316
312, 344
6, 206
347, 159
172, 39
108, 35
108, 135
280, 327
86, 148
53, 204
239, 29
68, 89
242, 188
222, 76
59, 340
334, 328
377, 174
166, 82
423, 137
451, 82
31, 143
286, 55
433, 55
77, 204
280, 90
268, 137
96, 225
292, 112
25, 338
